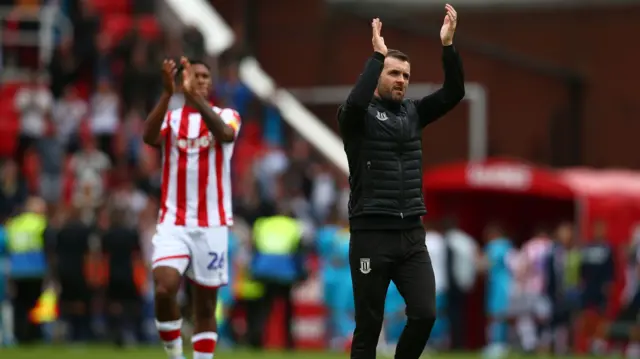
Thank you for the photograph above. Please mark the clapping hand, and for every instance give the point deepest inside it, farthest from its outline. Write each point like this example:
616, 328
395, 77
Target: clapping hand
168, 73
377, 40
449, 25
188, 81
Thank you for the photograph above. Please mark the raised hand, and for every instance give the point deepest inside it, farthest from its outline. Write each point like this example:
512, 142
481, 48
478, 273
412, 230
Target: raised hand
449, 25
377, 40
188, 82
168, 73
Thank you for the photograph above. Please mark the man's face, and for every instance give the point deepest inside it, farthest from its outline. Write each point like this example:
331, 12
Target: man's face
203, 79
394, 79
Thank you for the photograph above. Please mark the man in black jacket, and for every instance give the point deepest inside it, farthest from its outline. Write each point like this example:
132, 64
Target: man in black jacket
382, 138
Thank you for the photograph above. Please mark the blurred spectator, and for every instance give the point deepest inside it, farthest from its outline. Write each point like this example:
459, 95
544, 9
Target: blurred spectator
268, 169
63, 68
130, 199
131, 136
232, 92
86, 26
28, 263
462, 250
104, 117
51, 155
121, 248
597, 276
33, 101
71, 252
68, 114
139, 80
103, 56
557, 289
437, 247
278, 264
89, 167
13, 190
323, 193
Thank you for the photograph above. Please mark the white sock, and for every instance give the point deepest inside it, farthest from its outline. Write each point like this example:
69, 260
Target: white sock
599, 346
204, 345
527, 331
171, 337
633, 350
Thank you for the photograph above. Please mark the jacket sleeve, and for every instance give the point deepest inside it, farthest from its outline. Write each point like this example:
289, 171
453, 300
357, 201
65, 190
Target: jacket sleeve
351, 113
434, 106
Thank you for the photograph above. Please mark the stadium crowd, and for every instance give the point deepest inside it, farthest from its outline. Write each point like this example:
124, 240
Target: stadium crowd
81, 172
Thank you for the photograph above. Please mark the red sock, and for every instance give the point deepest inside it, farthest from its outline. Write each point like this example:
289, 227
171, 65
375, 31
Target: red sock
204, 344
171, 337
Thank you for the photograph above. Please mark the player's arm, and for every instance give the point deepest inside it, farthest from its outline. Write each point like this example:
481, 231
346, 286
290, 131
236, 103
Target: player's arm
434, 106
351, 113
215, 123
153, 125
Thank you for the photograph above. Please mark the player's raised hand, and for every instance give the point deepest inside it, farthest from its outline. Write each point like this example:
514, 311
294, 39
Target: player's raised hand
449, 25
168, 73
377, 40
188, 82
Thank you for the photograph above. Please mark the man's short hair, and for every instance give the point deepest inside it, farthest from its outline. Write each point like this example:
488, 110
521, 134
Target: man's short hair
199, 62
397, 54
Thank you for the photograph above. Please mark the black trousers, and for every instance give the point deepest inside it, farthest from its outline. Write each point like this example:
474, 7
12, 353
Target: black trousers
376, 257
273, 292
27, 293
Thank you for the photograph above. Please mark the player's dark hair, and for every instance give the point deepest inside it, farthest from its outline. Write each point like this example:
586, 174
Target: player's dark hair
397, 54
199, 62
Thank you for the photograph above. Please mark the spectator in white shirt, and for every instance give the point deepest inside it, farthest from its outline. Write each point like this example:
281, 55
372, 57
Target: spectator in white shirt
438, 253
90, 166
33, 101
104, 118
462, 254
68, 113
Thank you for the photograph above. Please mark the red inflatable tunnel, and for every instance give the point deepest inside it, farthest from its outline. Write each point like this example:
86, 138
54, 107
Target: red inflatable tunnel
517, 194
522, 196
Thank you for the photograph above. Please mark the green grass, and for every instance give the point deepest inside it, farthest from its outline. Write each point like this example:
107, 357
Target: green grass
104, 352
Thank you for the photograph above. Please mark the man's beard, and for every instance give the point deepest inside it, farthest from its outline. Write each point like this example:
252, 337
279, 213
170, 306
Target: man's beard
388, 96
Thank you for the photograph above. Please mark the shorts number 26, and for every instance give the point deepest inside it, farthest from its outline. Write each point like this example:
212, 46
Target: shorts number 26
217, 261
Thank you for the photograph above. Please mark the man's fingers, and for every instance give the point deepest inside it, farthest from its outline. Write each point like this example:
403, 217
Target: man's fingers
453, 15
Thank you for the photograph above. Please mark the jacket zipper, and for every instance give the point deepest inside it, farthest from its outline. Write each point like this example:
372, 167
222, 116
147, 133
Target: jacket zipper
401, 168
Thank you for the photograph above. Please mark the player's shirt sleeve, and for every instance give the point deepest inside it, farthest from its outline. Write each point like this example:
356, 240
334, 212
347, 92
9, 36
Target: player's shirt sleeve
232, 118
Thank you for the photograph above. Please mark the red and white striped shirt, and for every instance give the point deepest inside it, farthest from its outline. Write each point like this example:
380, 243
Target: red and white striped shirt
196, 170
533, 255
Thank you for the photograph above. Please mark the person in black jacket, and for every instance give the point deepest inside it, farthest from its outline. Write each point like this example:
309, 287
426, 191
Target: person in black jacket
382, 138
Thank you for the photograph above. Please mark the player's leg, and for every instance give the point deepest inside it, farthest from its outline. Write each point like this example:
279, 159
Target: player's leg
498, 307
413, 275
526, 324
205, 332
208, 272
369, 262
170, 259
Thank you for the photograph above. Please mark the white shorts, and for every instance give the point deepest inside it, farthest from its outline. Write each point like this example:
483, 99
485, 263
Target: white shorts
530, 304
199, 253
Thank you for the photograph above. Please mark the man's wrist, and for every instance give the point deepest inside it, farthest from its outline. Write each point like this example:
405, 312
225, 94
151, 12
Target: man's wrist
379, 56
447, 43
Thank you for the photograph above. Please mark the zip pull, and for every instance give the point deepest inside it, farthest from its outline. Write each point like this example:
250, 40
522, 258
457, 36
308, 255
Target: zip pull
368, 165
401, 215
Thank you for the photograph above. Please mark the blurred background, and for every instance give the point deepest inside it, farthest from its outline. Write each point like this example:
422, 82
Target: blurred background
542, 148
